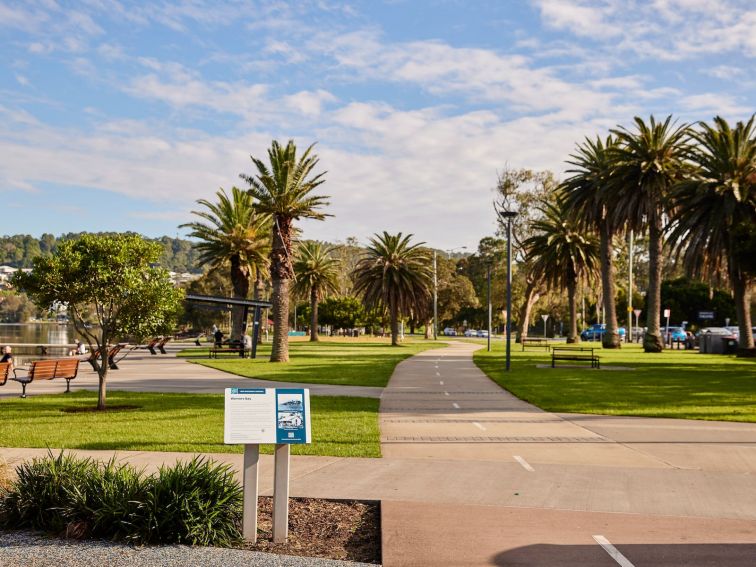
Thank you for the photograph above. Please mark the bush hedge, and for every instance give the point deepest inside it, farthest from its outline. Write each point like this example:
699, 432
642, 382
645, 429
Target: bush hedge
197, 502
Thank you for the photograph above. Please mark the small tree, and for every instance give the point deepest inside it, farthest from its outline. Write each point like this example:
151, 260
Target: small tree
112, 277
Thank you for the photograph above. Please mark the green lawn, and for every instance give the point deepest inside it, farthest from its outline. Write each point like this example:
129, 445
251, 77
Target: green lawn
345, 362
681, 384
341, 426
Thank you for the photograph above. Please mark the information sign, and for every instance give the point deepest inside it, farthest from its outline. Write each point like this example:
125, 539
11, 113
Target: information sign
267, 415
667, 312
705, 315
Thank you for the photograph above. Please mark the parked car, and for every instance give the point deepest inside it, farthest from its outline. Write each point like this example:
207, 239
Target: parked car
483, 333
471, 333
675, 334
596, 331
450, 332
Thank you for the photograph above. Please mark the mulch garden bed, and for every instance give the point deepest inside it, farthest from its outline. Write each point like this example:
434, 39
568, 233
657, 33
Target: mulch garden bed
332, 529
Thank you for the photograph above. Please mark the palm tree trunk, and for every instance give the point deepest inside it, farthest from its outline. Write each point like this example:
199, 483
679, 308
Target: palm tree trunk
394, 313
240, 282
280, 301
652, 340
532, 295
572, 335
281, 272
257, 295
742, 293
611, 338
314, 317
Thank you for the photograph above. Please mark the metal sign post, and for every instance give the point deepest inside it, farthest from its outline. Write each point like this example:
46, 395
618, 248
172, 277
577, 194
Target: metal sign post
667, 313
279, 416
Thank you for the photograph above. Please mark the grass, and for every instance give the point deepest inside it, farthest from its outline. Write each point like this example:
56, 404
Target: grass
341, 426
680, 384
343, 362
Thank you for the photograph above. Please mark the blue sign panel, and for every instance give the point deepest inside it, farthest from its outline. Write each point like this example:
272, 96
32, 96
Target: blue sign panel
292, 407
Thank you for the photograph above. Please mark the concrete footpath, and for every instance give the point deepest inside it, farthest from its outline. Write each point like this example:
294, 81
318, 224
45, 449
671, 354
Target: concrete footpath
473, 476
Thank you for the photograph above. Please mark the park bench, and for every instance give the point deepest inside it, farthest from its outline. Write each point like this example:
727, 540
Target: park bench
5, 370
232, 348
535, 343
162, 343
150, 346
66, 368
94, 358
577, 354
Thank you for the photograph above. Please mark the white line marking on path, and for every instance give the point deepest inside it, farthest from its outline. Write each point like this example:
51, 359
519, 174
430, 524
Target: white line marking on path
612, 551
446, 393
441, 382
438, 373
524, 463
456, 405
479, 426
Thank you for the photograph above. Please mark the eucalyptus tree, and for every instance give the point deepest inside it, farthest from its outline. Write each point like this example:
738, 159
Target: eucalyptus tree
588, 201
317, 275
283, 188
645, 163
396, 276
233, 236
715, 211
563, 254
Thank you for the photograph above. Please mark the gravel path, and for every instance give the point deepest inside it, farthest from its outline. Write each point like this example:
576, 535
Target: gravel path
25, 549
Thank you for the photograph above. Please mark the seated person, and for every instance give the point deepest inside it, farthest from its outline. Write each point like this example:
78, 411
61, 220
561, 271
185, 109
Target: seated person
80, 349
7, 356
218, 336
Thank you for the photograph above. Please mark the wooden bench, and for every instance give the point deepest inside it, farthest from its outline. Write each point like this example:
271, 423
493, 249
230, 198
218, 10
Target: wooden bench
66, 368
536, 343
94, 358
577, 354
240, 350
5, 370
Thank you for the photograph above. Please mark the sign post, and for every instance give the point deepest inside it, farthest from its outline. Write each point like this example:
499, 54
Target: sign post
545, 318
667, 313
279, 416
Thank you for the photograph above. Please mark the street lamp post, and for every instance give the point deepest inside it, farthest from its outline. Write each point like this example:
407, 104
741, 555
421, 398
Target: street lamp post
509, 216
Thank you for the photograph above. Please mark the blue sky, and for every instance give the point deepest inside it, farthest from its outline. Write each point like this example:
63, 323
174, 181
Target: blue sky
118, 115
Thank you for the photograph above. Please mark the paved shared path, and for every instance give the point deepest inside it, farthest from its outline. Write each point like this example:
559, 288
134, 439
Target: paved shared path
473, 476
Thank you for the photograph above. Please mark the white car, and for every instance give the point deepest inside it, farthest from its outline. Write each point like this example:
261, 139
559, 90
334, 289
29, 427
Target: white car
483, 334
450, 332
471, 333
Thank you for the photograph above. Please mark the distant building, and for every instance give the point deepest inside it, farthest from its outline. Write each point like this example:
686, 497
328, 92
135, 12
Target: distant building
183, 277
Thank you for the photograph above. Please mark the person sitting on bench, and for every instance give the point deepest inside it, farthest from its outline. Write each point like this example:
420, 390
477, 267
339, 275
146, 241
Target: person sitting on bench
7, 356
218, 336
80, 349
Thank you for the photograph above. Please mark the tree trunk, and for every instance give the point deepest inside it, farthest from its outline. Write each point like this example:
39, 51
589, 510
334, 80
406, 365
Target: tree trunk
102, 374
394, 313
281, 272
280, 301
257, 295
532, 295
652, 340
314, 317
240, 282
429, 329
741, 291
611, 338
572, 335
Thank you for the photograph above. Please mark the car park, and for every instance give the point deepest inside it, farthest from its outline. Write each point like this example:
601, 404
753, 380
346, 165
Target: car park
471, 333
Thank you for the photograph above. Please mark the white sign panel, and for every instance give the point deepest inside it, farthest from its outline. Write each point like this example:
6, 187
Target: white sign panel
267, 415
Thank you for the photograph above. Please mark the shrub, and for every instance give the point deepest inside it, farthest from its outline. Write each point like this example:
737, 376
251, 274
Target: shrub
198, 502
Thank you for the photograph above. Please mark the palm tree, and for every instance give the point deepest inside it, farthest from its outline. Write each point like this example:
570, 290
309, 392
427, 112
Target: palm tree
645, 164
588, 201
284, 191
394, 276
234, 236
716, 206
563, 254
317, 275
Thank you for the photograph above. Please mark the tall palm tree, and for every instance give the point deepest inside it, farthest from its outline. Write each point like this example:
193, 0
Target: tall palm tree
645, 164
715, 205
283, 189
317, 275
563, 254
234, 236
394, 275
588, 201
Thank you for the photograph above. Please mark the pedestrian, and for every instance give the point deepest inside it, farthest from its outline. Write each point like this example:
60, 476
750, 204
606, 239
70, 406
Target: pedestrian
7, 356
218, 336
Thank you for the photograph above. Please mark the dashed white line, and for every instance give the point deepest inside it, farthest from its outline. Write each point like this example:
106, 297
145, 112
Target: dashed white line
479, 426
441, 382
438, 374
524, 463
612, 551
446, 393
455, 405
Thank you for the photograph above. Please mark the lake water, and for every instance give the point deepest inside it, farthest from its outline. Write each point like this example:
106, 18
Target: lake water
37, 333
